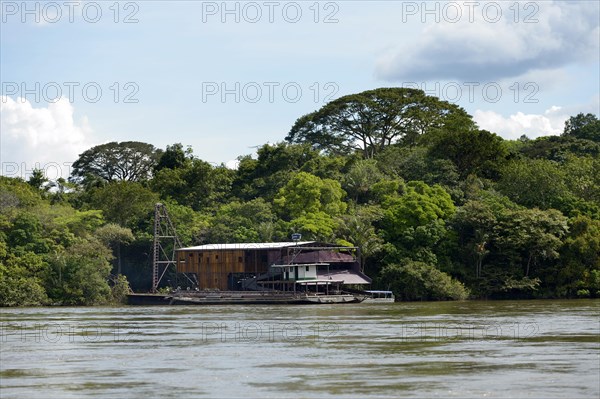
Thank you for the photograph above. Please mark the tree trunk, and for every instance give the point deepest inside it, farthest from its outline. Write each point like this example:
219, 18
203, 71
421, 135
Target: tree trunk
528, 263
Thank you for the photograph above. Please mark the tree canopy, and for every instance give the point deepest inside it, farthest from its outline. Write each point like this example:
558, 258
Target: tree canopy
374, 119
128, 160
583, 126
472, 151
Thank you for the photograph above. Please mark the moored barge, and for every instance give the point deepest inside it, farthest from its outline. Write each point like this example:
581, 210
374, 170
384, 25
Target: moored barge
241, 298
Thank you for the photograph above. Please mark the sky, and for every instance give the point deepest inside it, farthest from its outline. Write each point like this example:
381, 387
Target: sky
227, 77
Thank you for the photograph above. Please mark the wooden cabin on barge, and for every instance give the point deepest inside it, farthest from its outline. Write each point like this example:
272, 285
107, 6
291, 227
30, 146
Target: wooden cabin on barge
275, 266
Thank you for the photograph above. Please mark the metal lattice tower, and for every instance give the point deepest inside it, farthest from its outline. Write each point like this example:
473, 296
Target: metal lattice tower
164, 233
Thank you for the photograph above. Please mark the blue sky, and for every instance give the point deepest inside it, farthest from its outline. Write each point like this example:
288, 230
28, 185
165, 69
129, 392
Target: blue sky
225, 77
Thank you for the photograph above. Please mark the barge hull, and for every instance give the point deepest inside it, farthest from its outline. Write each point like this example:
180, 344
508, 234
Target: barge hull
237, 299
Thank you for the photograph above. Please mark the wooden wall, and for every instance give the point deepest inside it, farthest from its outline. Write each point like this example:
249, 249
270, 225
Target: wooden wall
211, 267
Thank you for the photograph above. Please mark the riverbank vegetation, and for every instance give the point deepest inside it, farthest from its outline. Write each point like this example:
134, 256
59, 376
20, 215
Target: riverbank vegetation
440, 208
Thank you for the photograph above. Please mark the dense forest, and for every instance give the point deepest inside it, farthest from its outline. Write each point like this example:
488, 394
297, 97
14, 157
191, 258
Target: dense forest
440, 208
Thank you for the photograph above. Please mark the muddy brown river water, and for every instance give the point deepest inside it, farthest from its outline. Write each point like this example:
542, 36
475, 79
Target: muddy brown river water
503, 349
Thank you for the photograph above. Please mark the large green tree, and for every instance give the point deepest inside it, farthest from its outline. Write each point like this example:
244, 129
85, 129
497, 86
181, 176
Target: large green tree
417, 163
310, 205
476, 221
79, 276
251, 221
306, 193
534, 183
583, 126
357, 228
128, 160
128, 204
580, 259
559, 148
361, 177
174, 157
274, 165
583, 177
533, 233
21, 278
472, 151
374, 119
113, 235
415, 222
196, 184
418, 206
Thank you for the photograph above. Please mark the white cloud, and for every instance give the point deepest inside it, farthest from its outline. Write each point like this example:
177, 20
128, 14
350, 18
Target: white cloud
232, 164
551, 122
565, 33
514, 126
47, 138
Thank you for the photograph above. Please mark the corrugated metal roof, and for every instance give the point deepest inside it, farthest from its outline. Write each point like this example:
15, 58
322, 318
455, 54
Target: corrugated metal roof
247, 245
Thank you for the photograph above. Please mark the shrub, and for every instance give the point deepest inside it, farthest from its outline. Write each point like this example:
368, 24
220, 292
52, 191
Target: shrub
421, 281
120, 290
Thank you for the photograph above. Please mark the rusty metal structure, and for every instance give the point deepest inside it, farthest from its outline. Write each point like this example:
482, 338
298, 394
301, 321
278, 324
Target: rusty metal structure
165, 245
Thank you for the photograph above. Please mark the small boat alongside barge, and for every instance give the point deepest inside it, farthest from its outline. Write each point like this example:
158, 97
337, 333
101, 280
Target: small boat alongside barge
379, 297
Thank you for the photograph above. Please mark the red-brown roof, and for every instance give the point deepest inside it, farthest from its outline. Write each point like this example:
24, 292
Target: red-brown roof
320, 257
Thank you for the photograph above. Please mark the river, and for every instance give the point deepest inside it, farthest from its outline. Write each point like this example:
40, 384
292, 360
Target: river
503, 349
